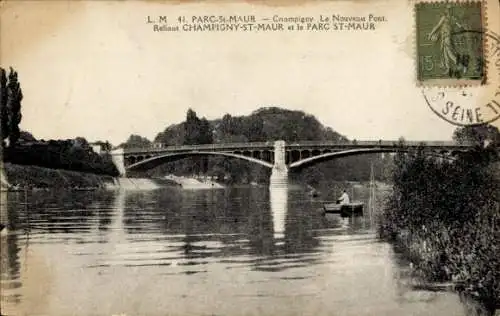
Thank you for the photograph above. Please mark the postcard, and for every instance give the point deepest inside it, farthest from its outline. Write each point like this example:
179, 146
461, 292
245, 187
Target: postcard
249, 157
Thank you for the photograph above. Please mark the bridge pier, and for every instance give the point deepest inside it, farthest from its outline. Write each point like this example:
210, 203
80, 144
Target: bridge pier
279, 173
118, 158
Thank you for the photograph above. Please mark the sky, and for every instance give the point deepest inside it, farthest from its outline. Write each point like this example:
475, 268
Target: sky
96, 69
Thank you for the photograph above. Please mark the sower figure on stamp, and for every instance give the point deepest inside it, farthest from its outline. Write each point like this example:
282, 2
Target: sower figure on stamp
443, 31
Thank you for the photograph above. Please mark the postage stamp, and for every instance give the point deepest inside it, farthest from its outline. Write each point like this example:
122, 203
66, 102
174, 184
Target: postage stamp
470, 105
450, 43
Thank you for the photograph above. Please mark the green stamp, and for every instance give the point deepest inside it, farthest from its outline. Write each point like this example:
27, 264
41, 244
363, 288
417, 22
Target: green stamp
450, 42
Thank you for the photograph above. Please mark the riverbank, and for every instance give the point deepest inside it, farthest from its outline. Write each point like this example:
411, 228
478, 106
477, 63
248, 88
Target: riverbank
447, 259
444, 217
192, 183
21, 177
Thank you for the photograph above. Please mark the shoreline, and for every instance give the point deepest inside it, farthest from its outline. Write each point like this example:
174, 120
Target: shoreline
194, 183
20, 178
415, 249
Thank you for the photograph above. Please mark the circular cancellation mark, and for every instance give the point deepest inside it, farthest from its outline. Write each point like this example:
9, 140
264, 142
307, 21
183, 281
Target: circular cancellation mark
470, 105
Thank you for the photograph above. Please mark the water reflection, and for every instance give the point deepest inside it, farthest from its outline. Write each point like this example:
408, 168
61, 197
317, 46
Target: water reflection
235, 251
9, 258
278, 201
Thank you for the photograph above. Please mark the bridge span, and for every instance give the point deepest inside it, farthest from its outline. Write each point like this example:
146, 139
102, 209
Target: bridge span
277, 155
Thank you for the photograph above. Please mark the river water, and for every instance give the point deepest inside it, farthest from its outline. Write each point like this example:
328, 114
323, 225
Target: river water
234, 251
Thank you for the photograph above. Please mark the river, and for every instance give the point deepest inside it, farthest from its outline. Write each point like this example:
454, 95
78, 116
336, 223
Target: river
234, 251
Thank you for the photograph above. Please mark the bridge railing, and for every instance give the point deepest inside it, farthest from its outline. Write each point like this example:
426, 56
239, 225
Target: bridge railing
373, 143
270, 145
243, 146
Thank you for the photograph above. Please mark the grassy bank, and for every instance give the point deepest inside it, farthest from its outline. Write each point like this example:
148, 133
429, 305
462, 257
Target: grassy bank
445, 216
73, 155
35, 177
31, 177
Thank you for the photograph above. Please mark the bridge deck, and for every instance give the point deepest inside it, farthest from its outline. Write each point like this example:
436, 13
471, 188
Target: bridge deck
303, 145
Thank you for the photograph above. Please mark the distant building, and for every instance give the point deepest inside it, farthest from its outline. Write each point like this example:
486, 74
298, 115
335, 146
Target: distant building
97, 148
158, 145
100, 147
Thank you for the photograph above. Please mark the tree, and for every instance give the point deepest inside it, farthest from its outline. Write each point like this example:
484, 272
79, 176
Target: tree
10, 106
81, 142
26, 136
480, 135
197, 132
204, 132
172, 135
14, 98
4, 113
136, 141
107, 146
254, 129
226, 125
192, 128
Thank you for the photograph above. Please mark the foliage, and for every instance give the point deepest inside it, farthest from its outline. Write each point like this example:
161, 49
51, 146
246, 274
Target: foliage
479, 135
10, 106
4, 113
72, 154
173, 135
25, 136
196, 131
135, 141
446, 215
274, 123
40, 177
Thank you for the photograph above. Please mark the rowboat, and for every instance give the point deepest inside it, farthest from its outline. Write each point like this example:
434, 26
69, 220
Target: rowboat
345, 210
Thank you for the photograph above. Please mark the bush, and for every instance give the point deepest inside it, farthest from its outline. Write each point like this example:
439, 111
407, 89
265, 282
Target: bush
446, 217
61, 155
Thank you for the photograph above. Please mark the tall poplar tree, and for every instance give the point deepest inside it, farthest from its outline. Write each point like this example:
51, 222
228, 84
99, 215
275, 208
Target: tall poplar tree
10, 106
14, 106
4, 114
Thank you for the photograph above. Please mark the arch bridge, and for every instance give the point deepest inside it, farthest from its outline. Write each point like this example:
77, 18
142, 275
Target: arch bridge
278, 155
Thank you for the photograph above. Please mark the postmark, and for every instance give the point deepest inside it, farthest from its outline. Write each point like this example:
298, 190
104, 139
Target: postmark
470, 105
450, 43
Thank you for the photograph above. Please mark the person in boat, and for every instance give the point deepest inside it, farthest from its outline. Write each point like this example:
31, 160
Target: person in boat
344, 198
